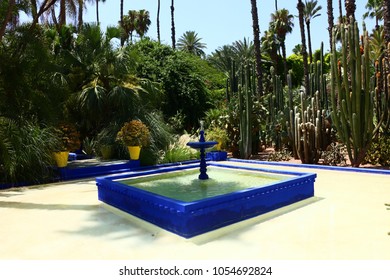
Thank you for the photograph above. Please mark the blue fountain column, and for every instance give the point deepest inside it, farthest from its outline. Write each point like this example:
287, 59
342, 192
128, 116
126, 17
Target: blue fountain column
202, 168
202, 145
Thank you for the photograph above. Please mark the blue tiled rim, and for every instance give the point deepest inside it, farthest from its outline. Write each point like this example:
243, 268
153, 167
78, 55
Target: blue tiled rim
314, 166
189, 219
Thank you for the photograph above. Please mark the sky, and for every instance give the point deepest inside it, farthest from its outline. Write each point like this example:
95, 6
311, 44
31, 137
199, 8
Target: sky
219, 22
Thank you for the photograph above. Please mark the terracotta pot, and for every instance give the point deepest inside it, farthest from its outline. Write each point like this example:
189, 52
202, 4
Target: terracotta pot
134, 152
61, 158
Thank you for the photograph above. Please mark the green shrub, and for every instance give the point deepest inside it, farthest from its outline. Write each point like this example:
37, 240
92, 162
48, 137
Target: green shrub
334, 155
25, 152
379, 152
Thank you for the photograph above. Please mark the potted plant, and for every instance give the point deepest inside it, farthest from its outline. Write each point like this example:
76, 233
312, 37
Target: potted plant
220, 135
69, 140
134, 134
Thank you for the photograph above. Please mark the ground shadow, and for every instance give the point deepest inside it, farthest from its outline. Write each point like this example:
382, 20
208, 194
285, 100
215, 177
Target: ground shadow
41, 206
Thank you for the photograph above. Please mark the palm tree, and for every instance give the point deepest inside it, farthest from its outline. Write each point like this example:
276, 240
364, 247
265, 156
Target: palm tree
129, 25
142, 22
173, 24
270, 45
375, 10
330, 21
191, 43
256, 40
301, 8
310, 12
350, 8
158, 21
282, 23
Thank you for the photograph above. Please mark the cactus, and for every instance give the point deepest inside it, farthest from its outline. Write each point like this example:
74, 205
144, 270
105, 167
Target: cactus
352, 93
245, 112
309, 128
312, 130
276, 108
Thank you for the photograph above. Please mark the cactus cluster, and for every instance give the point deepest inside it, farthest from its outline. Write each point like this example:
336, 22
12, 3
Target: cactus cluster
352, 92
309, 127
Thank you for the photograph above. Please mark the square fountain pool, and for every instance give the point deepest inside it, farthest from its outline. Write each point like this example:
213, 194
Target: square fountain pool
174, 199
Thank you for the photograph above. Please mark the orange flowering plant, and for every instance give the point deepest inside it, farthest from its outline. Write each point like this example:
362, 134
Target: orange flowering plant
68, 136
134, 133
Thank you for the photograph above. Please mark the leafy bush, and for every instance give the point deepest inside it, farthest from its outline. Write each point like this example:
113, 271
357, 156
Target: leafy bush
282, 155
179, 151
379, 152
334, 155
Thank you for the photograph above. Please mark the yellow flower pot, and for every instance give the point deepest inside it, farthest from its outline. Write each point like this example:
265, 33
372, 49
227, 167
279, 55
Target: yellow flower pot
134, 152
61, 158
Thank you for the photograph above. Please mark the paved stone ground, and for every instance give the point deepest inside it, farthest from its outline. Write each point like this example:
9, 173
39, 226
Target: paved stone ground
347, 219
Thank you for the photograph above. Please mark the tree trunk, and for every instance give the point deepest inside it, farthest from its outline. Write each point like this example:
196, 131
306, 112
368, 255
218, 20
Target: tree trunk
62, 19
80, 15
173, 24
256, 41
158, 21
121, 23
340, 12
386, 20
8, 16
97, 12
301, 7
330, 22
350, 8
309, 41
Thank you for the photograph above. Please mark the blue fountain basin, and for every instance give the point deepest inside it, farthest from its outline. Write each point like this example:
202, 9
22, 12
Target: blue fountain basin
199, 145
193, 217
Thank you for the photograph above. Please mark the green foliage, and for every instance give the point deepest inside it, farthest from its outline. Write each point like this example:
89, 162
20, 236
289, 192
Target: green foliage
134, 133
379, 152
178, 150
282, 155
181, 79
295, 63
25, 151
335, 155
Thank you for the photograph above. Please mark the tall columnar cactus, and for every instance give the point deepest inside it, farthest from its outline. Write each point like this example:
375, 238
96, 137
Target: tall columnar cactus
352, 93
245, 112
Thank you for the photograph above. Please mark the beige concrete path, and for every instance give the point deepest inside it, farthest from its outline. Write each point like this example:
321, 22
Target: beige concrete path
347, 219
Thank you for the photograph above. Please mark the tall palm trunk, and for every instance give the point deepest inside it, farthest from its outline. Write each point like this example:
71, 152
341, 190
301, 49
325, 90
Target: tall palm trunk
7, 18
97, 12
158, 21
386, 20
350, 8
256, 42
62, 17
276, 5
80, 15
340, 12
309, 41
330, 22
173, 24
301, 7
121, 23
